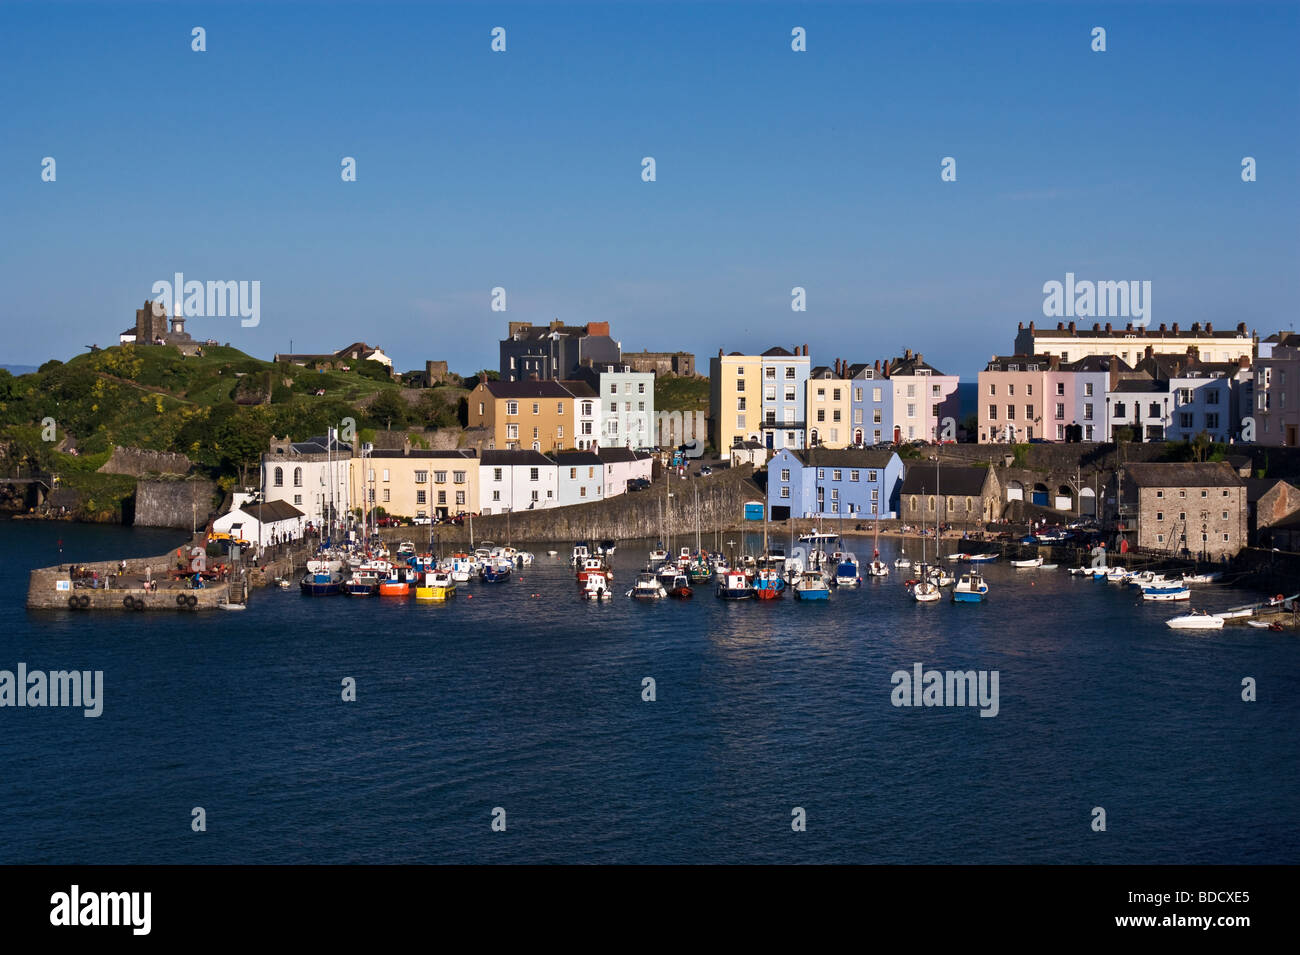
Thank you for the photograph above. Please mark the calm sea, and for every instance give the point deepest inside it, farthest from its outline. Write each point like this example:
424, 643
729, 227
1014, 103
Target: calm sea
522, 697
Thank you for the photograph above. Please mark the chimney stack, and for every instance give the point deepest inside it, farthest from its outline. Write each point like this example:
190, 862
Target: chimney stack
1241, 328
1162, 327
1243, 361
877, 367
1053, 362
1031, 325
1209, 328
1096, 326
1108, 326
907, 354
1060, 326
805, 350
1071, 327
1175, 328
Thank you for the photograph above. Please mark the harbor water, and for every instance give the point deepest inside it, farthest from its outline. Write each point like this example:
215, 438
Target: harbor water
522, 698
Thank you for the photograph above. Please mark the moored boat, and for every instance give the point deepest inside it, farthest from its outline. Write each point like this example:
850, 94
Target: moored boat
971, 588
811, 585
435, 585
647, 587
735, 585
681, 587
1196, 620
768, 584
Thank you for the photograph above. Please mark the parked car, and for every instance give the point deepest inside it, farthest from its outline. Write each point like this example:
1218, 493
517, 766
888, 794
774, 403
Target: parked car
638, 484
421, 520
706, 471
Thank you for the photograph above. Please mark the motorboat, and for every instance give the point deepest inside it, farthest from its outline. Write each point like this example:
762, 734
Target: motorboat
647, 587
362, 584
595, 587
397, 583
1196, 620
681, 587
982, 558
1166, 593
811, 585
1032, 562
496, 571
735, 585
322, 583
580, 553
847, 573
971, 588
435, 586
768, 584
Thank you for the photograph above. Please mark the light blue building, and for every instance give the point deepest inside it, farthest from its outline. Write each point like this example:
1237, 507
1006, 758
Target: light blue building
784, 383
853, 483
580, 477
872, 407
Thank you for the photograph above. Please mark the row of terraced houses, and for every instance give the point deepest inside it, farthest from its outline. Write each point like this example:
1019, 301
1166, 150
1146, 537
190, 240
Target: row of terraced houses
1062, 384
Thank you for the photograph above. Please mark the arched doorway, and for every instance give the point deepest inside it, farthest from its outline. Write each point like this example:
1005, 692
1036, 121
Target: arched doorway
1088, 502
1040, 495
1064, 498
857, 436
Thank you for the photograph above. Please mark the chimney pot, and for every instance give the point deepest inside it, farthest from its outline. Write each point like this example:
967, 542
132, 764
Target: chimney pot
805, 349
1096, 326
1031, 325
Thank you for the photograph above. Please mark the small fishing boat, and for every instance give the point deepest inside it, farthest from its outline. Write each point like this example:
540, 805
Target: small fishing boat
1032, 562
496, 571
699, 571
1049, 566
406, 550
903, 562
1201, 578
362, 585
1117, 575
811, 586
397, 584
735, 586
971, 588
681, 588
941, 577
847, 573
595, 587
436, 586
1196, 620
768, 584
322, 583
647, 587
463, 567
579, 554
552, 553
606, 547
982, 558
1275, 625
658, 555
230, 606
1167, 593
956, 557
593, 567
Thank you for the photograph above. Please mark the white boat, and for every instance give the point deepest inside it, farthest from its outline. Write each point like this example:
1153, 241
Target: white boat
982, 558
1201, 578
647, 587
941, 577
1181, 593
552, 553
1034, 562
878, 568
1050, 566
970, 589
230, 606
1196, 620
595, 588
925, 591
957, 557
580, 553
902, 563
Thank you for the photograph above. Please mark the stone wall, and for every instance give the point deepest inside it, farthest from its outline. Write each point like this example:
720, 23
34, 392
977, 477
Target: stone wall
635, 515
174, 503
138, 462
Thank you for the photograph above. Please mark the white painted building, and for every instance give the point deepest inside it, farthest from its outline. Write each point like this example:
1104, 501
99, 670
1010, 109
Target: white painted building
627, 407
580, 477
262, 524
312, 475
623, 465
516, 481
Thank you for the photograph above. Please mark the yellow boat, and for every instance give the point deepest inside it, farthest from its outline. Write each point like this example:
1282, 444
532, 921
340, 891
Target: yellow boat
436, 586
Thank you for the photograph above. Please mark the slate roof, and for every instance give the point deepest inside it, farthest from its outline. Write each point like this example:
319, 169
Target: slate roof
1183, 474
578, 459
525, 458
777, 352
320, 444
954, 480
270, 511
618, 455
844, 457
527, 389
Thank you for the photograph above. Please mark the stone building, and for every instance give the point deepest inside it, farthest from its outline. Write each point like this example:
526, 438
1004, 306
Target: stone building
967, 495
1185, 509
152, 328
662, 362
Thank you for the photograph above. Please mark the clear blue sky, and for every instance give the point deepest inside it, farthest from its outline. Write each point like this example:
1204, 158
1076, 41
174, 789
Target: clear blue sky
522, 170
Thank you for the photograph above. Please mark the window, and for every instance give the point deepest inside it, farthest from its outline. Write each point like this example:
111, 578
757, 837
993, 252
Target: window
421, 499
1120, 411
835, 475
1212, 395
789, 372
1182, 493
857, 416
559, 431
586, 408
835, 394
559, 407
279, 477
1087, 389
853, 475
740, 422
512, 407
1225, 538
1184, 419
785, 474
1011, 412
789, 394
532, 474
1060, 411
993, 412
535, 497
1011, 389
821, 474
821, 394
512, 432
496, 474
640, 406
1029, 389
1211, 420
875, 394
835, 494
875, 494
1182, 515
769, 393
911, 391
871, 476
1088, 428
537, 407
1160, 493
496, 495
297, 498
460, 498
385, 495
740, 386
875, 416
821, 414
573, 473
993, 389
439, 477
640, 388
1060, 388
536, 435
1087, 411
458, 477
1205, 493
385, 474
1160, 515
911, 411
582, 491
740, 403
297, 477
1060, 432
769, 371
1029, 412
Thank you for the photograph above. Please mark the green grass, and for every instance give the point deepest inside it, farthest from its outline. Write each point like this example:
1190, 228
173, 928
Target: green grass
681, 394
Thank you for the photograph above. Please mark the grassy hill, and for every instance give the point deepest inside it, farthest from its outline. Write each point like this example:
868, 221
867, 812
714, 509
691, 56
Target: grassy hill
219, 408
681, 394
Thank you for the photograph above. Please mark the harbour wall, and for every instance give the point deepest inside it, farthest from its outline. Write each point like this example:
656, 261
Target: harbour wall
162, 502
630, 516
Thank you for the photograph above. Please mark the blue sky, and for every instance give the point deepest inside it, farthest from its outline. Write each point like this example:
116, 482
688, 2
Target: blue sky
523, 170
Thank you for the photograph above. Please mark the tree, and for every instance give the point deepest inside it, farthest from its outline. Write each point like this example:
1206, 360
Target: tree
388, 409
